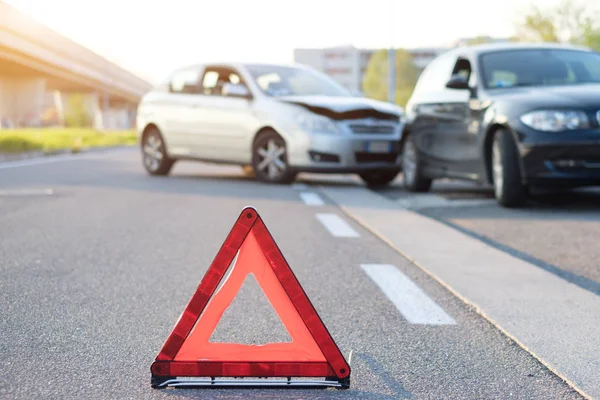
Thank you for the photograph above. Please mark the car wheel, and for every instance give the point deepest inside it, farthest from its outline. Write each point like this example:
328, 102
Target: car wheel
508, 187
154, 154
412, 168
378, 178
269, 159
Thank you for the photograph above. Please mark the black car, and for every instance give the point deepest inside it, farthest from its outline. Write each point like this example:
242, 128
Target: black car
518, 116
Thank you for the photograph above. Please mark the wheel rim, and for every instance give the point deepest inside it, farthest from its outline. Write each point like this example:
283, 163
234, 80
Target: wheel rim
409, 161
153, 154
497, 168
271, 159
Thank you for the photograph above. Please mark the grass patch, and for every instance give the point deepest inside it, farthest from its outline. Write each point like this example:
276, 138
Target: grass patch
51, 140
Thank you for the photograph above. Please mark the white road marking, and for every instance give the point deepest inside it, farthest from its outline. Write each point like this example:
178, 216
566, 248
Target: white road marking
27, 192
430, 200
299, 186
337, 226
311, 199
62, 157
37, 161
408, 298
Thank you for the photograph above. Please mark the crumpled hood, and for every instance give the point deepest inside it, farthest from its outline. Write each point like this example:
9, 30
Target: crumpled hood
346, 107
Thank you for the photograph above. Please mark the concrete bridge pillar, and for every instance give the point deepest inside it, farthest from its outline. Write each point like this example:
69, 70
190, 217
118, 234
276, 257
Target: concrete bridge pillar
22, 100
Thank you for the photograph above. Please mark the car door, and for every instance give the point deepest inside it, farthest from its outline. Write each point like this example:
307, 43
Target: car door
179, 113
430, 111
441, 119
459, 127
227, 122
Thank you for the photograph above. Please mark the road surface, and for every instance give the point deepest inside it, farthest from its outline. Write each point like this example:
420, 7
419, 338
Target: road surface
99, 259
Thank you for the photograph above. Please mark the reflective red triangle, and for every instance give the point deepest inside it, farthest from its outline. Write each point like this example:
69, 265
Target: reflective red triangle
188, 352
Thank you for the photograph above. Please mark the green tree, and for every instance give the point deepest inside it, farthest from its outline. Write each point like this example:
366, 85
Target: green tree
571, 21
479, 40
76, 113
485, 39
375, 83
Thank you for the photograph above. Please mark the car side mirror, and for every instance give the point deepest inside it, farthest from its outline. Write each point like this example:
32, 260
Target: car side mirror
458, 82
235, 90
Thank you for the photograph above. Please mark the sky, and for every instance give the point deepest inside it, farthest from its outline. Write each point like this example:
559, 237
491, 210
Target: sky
153, 37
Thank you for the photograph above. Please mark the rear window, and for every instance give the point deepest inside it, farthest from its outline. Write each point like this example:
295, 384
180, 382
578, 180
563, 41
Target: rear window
538, 67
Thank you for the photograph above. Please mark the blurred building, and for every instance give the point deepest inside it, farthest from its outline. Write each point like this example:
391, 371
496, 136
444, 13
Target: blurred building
347, 64
479, 39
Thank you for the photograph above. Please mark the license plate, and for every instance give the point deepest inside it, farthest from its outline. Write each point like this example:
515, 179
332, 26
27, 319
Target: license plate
378, 147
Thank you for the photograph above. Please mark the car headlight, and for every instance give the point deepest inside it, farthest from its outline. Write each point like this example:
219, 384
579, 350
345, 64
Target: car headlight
316, 123
555, 121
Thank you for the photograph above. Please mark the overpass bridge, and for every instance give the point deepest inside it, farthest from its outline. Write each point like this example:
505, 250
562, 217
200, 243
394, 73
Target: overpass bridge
40, 69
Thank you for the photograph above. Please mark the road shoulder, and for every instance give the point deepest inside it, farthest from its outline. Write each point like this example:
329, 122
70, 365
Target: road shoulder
556, 321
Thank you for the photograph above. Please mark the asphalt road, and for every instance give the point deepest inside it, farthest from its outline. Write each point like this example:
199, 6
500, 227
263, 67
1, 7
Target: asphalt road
98, 260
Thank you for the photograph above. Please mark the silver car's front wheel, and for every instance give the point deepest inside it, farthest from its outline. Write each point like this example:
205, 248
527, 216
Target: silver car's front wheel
154, 154
269, 159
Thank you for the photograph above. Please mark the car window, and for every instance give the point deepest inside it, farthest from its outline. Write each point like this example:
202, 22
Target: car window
275, 80
462, 68
264, 81
500, 78
186, 81
215, 78
538, 67
210, 80
436, 75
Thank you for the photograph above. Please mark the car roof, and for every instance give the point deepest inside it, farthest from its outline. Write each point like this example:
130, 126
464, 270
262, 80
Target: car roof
240, 65
507, 46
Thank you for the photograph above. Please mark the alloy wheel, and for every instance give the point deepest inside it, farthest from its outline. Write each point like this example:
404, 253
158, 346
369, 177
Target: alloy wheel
409, 161
497, 168
153, 154
272, 159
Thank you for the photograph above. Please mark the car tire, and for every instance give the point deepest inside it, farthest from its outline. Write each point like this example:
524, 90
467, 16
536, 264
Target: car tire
506, 173
377, 179
414, 179
154, 153
269, 159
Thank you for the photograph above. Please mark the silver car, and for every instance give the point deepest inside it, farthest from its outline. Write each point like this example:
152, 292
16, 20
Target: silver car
273, 120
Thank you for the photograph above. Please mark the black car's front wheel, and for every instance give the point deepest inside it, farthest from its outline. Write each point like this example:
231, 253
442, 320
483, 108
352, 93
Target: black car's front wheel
412, 168
506, 173
269, 159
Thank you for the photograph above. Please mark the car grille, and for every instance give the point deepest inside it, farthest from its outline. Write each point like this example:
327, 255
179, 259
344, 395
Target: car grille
373, 129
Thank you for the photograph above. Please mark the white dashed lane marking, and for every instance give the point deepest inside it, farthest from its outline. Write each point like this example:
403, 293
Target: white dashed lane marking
26, 192
58, 158
299, 186
408, 298
337, 226
311, 199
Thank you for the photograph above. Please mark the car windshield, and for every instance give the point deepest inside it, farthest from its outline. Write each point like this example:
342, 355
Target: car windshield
293, 81
539, 67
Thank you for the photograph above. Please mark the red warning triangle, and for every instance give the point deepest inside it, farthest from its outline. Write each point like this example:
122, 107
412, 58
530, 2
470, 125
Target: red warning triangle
250, 249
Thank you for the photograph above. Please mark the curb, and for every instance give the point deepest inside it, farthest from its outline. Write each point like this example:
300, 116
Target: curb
9, 157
